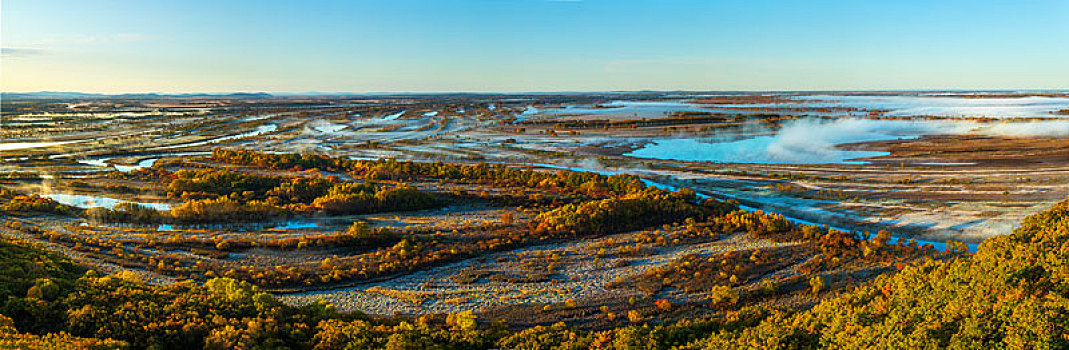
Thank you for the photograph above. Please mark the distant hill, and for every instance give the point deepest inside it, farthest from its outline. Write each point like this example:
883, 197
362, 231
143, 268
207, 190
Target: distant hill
82, 95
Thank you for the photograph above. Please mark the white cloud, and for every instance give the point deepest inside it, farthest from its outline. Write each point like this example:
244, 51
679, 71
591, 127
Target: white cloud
10, 52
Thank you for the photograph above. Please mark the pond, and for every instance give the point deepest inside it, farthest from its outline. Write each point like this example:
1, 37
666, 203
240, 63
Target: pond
816, 141
759, 150
145, 163
633, 109
103, 162
393, 116
527, 113
90, 201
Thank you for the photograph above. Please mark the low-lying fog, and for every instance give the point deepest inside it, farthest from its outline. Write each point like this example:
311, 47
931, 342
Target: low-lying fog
934, 105
813, 141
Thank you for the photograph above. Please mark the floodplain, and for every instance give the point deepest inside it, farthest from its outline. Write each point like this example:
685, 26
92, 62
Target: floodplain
592, 209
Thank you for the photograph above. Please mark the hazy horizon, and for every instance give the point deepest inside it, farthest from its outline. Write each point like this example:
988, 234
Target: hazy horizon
333, 47
459, 92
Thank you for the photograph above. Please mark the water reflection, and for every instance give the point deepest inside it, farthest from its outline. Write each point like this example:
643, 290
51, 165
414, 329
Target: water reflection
90, 201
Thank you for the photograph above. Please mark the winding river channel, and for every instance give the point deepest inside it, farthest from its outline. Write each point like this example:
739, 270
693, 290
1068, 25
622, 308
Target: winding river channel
894, 237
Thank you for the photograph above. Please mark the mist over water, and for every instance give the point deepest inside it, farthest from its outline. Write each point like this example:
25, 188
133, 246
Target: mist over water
1053, 128
761, 149
936, 105
814, 141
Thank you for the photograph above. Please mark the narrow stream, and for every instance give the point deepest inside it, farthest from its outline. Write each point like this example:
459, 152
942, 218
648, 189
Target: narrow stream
941, 246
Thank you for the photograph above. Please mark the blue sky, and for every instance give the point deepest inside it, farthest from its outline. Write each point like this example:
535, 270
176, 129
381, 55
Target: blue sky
531, 45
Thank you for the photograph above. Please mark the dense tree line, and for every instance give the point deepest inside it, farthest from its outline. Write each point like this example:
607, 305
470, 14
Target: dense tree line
570, 181
653, 207
12, 203
126, 212
220, 182
224, 209
363, 198
213, 196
